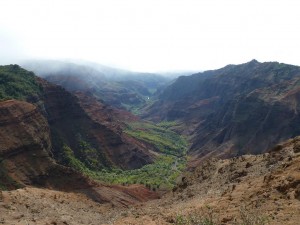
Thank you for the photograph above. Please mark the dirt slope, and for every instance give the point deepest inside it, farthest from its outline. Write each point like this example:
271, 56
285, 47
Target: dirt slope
263, 187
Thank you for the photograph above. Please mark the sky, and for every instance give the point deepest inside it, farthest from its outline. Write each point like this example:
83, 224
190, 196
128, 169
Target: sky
151, 35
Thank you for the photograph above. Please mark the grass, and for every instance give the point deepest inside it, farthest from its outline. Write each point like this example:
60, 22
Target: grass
165, 140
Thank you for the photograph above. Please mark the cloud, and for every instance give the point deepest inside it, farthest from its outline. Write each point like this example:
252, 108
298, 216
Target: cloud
154, 35
11, 51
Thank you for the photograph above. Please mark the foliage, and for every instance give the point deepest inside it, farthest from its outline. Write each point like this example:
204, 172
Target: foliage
17, 83
86, 165
165, 140
89, 155
167, 124
72, 161
79, 149
161, 174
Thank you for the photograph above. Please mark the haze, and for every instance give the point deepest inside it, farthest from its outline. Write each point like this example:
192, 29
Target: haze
150, 36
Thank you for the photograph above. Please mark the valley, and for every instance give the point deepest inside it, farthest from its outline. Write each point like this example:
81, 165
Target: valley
88, 144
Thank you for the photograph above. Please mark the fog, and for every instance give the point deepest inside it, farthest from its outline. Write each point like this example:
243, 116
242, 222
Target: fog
151, 36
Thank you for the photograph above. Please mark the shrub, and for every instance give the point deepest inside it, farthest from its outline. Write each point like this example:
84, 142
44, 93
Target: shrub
17, 83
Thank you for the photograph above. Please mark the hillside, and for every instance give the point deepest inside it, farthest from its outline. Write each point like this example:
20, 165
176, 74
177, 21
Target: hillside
235, 110
262, 189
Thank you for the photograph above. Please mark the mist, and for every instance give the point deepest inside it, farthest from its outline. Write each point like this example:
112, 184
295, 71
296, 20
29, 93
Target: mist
151, 36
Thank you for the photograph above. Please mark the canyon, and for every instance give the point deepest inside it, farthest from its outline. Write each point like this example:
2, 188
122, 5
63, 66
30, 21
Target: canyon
219, 146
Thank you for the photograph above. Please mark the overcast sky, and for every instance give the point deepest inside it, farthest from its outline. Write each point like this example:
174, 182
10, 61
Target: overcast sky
152, 35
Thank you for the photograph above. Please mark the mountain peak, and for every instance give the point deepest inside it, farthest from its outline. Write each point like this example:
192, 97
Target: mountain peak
253, 61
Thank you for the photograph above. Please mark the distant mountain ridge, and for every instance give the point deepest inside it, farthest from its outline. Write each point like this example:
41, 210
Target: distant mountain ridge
119, 88
234, 110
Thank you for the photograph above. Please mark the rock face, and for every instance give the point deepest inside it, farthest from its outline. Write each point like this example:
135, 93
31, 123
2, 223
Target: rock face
25, 143
25, 151
235, 110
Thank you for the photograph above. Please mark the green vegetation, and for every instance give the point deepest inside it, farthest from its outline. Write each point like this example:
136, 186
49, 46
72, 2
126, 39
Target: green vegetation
79, 153
89, 155
87, 162
161, 174
72, 161
17, 83
136, 108
168, 124
165, 140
